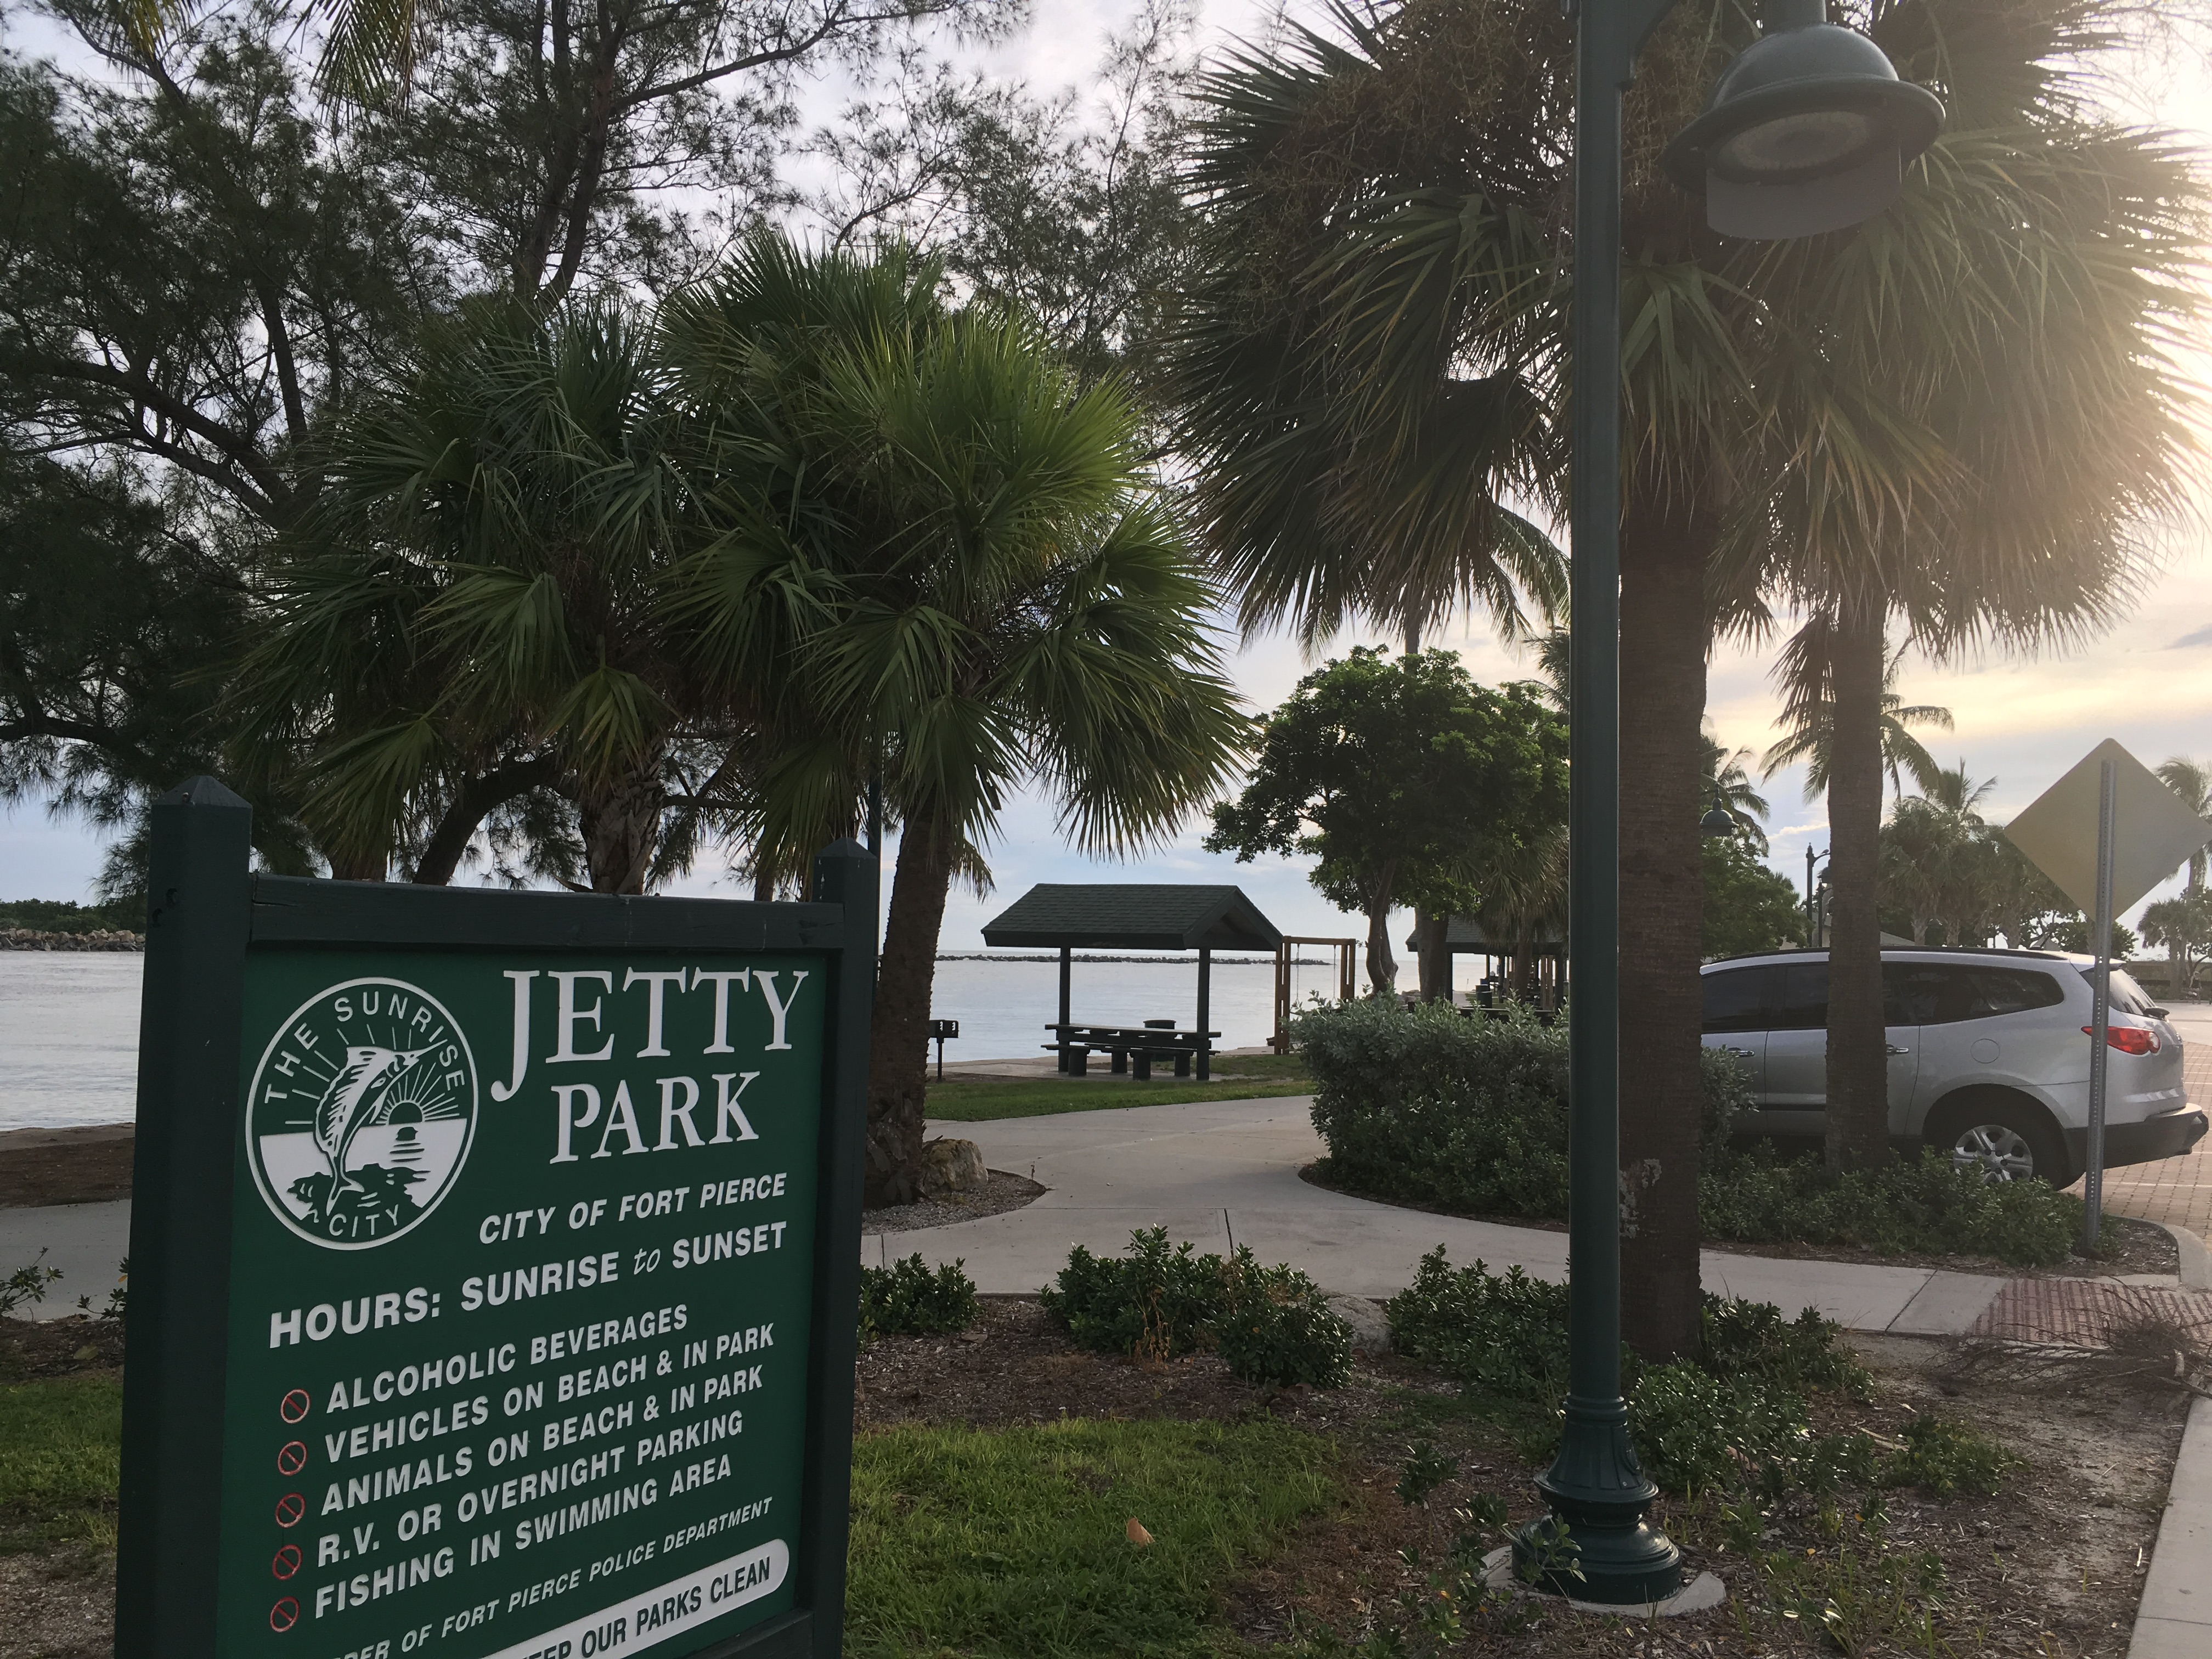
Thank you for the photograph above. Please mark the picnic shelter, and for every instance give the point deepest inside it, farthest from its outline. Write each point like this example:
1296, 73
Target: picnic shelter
1071, 916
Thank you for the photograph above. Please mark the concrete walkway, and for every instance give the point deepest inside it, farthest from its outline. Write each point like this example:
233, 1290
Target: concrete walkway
1224, 1173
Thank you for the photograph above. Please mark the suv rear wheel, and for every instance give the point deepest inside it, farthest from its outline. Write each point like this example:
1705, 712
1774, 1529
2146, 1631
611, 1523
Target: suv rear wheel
2004, 1137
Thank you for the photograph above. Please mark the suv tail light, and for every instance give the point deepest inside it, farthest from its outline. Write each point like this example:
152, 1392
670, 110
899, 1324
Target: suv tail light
2128, 1039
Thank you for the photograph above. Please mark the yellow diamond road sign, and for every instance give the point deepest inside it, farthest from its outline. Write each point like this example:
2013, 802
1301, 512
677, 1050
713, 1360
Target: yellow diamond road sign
2152, 829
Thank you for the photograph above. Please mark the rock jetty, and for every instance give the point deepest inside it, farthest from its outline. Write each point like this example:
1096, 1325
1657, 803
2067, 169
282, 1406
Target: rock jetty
30, 938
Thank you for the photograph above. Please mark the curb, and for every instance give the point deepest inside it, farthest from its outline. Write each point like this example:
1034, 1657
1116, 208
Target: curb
2174, 1618
2196, 1263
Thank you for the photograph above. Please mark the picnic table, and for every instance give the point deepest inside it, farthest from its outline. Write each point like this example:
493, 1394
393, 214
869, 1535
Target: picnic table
1134, 1047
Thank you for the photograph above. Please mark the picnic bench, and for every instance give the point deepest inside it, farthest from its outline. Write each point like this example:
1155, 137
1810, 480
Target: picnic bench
1134, 1047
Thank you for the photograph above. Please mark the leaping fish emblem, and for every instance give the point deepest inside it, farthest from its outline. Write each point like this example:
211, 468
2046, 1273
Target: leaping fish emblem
360, 1095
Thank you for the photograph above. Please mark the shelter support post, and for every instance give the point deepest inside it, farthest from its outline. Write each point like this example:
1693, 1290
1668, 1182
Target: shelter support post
1280, 1041
1066, 978
1205, 1008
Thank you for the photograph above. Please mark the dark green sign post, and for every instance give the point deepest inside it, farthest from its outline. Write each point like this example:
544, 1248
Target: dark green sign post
495, 1266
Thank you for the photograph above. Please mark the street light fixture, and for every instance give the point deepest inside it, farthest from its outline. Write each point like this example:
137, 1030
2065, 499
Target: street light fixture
1801, 117
1718, 821
1808, 130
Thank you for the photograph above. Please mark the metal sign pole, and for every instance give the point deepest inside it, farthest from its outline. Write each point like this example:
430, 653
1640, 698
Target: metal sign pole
2100, 1016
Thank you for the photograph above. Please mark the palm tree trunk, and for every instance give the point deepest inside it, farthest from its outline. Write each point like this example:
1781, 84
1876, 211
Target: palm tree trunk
621, 822
1382, 961
1432, 943
906, 974
1859, 1065
1664, 633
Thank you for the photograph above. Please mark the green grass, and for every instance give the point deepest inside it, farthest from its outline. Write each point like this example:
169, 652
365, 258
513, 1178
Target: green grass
60, 1453
980, 1100
1013, 1541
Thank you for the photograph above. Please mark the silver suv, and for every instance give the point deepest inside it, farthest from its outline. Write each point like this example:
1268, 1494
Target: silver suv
1987, 1056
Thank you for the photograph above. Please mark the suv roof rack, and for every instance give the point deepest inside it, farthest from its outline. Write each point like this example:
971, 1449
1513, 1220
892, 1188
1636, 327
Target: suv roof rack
1888, 950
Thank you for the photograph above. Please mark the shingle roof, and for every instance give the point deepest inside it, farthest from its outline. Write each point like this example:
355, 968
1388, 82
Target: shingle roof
1466, 937
1132, 916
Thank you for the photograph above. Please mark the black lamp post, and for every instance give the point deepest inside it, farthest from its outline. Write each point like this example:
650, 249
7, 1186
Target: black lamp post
1718, 821
1808, 130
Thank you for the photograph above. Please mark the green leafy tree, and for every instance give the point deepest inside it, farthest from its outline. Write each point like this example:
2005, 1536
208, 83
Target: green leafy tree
114, 636
1402, 780
1068, 205
927, 549
198, 277
1747, 906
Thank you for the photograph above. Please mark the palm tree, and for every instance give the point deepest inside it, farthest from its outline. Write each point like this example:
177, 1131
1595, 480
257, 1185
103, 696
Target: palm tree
930, 552
1970, 419
2184, 925
469, 615
1385, 205
1935, 861
1809, 710
1729, 785
2192, 781
1341, 468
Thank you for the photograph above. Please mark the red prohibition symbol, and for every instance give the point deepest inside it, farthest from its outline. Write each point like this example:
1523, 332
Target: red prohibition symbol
287, 1562
291, 1458
294, 1405
284, 1614
289, 1508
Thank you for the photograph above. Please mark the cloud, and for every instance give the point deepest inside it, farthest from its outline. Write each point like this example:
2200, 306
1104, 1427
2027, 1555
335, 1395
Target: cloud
2201, 636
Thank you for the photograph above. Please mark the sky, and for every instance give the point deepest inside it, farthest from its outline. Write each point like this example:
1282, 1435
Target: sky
2020, 723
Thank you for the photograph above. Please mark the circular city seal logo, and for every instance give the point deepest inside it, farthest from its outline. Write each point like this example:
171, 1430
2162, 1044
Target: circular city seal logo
361, 1113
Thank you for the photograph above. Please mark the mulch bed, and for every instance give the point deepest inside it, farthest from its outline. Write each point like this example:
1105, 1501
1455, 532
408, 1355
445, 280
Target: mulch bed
2050, 1568
999, 1192
2130, 1246
2053, 1567
34, 1348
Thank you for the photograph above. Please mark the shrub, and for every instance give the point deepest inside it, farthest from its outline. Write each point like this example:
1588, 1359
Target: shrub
1427, 1106
1736, 1420
1804, 1354
1949, 1459
1275, 1327
907, 1299
1503, 1335
1925, 1206
1270, 1325
1156, 1299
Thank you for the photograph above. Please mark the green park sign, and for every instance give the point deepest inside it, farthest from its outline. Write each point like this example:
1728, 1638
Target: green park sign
495, 1262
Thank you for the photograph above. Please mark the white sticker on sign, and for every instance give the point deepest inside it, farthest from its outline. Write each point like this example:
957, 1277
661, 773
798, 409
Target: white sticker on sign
651, 1617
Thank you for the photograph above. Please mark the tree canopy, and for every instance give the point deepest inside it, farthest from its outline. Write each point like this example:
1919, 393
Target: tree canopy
1405, 781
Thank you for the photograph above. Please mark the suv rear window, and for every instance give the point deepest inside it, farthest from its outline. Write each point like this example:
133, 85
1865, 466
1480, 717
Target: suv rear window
1943, 994
2128, 997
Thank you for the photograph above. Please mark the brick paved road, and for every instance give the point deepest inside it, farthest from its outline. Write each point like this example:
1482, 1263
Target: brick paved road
2175, 1189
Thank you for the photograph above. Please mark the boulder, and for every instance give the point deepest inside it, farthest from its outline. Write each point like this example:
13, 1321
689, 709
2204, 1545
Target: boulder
951, 1166
1371, 1331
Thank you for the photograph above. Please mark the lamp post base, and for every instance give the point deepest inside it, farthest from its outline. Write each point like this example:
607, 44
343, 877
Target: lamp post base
1594, 1545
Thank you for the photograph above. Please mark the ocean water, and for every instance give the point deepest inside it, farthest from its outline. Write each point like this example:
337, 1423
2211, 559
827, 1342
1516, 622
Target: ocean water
69, 1020
69, 1037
